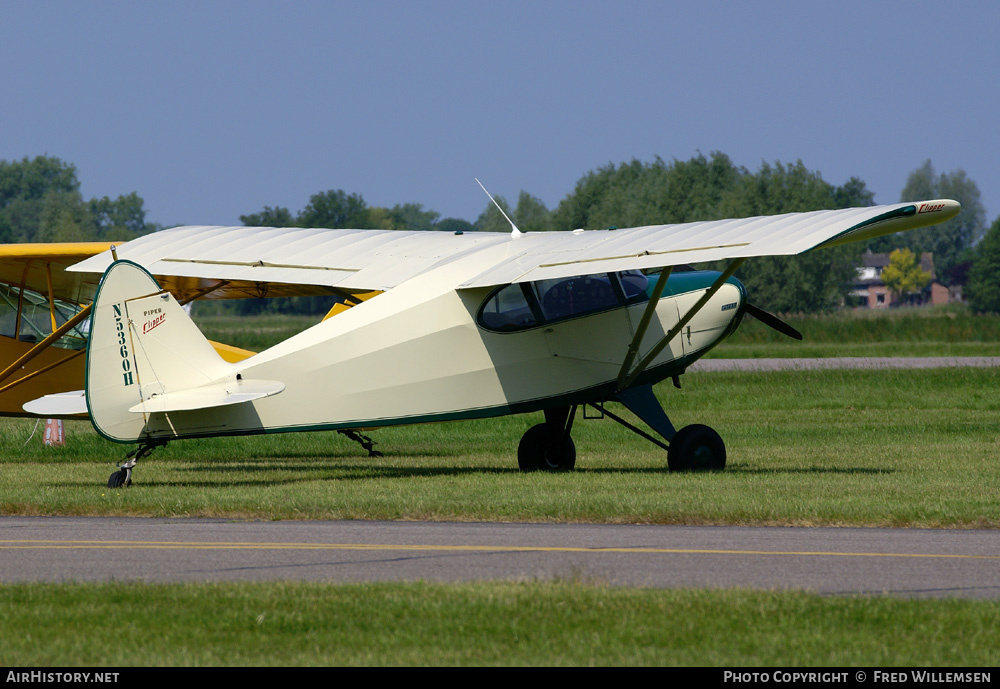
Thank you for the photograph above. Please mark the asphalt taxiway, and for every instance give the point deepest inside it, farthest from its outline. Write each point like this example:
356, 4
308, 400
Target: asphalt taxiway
832, 561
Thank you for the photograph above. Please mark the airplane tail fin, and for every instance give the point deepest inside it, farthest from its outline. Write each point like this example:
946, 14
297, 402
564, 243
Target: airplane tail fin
142, 345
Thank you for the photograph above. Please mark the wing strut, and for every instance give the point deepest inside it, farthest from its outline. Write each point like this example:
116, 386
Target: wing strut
640, 331
685, 319
201, 293
40, 371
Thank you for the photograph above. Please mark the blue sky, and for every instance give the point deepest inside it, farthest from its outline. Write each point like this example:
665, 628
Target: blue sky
214, 109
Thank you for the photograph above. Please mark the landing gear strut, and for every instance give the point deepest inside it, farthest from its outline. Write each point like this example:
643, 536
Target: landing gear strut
692, 448
548, 446
123, 477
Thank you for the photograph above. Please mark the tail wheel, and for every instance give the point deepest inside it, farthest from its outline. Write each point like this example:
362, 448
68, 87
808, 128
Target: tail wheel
537, 451
120, 479
696, 448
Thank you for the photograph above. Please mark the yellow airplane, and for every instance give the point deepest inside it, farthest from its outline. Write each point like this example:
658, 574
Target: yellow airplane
464, 326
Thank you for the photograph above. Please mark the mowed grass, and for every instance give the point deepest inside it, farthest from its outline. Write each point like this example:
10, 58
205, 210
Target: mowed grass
530, 623
949, 331
885, 448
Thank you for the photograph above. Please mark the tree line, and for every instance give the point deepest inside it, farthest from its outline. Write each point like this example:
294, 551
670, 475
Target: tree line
40, 201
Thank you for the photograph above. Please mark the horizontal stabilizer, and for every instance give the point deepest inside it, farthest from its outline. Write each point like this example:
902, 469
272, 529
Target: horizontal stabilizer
207, 396
58, 405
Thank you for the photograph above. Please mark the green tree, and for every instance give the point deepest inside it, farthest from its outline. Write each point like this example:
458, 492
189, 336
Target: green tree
383, 219
121, 219
853, 194
65, 217
24, 184
530, 214
269, 217
454, 225
334, 209
638, 193
412, 216
983, 288
33, 178
904, 276
40, 201
491, 219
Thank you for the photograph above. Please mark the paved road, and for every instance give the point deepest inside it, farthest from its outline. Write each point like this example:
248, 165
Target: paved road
844, 362
906, 562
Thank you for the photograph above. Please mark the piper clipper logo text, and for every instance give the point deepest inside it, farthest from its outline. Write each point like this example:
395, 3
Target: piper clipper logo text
155, 316
123, 348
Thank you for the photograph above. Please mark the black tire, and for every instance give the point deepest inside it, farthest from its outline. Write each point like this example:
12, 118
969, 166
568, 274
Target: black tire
535, 451
696, 448
120, 479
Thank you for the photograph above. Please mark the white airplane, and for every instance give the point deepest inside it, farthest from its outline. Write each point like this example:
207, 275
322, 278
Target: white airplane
462, 326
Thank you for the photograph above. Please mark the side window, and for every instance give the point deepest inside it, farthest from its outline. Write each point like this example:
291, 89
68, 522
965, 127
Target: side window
575, 296
635, 285
507, 310
36, 318
522, 305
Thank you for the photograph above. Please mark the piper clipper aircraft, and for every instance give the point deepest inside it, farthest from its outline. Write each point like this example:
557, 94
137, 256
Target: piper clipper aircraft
435, 326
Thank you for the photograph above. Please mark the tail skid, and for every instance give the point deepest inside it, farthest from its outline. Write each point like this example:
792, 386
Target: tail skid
146, 356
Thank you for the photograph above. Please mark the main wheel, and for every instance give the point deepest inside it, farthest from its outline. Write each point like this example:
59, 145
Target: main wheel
536, 451
696, 448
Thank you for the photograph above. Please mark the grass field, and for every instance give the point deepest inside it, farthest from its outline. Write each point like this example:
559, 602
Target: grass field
902, 448
530, 623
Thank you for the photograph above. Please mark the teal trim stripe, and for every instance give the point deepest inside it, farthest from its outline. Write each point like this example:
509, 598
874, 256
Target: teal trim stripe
903, 212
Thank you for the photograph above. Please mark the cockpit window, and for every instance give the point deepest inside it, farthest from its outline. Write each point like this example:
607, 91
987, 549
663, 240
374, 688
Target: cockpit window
574, 296
526, 305
635, 285
508, 310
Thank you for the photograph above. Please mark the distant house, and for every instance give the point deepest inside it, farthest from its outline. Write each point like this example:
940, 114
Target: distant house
870, 292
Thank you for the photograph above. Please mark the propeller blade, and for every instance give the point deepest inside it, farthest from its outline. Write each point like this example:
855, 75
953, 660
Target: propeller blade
773, 321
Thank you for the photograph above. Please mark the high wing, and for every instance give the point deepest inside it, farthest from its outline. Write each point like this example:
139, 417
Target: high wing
223, 262
232, 262
661, 246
